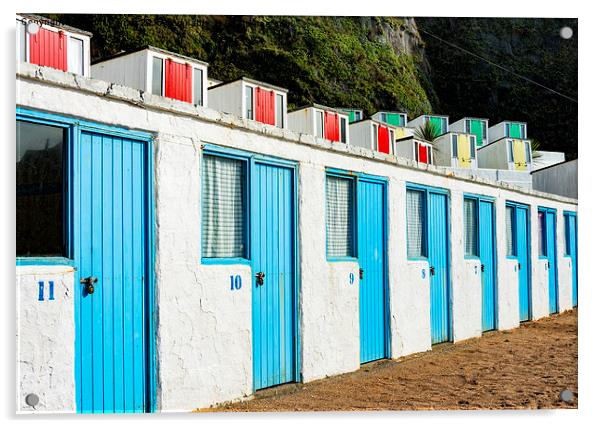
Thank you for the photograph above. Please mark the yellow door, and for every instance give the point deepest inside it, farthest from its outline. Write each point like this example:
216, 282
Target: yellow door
520, 159
464, 160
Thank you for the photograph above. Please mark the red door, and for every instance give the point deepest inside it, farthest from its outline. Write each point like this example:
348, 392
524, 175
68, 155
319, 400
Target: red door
384, 145
48, 48
264, 106
178, 81
331, 126
423, 153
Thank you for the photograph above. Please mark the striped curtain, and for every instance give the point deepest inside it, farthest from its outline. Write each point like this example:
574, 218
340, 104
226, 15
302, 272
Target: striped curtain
415, 220
223, 228
510, 251
339, 217
470, 227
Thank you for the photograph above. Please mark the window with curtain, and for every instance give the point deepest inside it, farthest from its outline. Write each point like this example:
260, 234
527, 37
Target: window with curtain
510, 235
339, 217
470, 227
415, 224
223, 207
543, 251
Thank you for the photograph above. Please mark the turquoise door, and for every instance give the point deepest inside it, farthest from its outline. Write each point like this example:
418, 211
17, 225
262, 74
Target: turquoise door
438, 244
487, 256
570, 222
549, 243
372, 262
112, 276
523, 262
274, 275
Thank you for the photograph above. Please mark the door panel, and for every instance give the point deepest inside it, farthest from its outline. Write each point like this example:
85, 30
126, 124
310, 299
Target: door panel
524, 265
571, 222
384, 145
371, 255
464, 151
514, 131
273, 255
520, 159
178, 81
551, 252
487, 256
475, 127
264, 106
439, 262
112, 322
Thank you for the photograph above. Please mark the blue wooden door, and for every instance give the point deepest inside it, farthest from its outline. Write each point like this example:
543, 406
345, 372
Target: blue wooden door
372, 262
550, 225
274, 276
438, 242
487, 256
571, 250
111, 357
523, 263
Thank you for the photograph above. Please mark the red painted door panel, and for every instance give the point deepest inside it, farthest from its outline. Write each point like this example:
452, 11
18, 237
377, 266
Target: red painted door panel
331, 126
264, 106
423, 153
178, 81
383, 139
48, 48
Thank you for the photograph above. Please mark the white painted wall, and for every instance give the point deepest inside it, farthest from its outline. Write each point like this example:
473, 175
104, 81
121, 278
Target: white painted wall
45, 339
204, 330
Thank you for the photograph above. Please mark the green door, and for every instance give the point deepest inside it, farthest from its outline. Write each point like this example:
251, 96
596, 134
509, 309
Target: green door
475, 127
393, 119
514, 130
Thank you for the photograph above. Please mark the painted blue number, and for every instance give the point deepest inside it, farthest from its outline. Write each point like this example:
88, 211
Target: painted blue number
351, 278
50, 290
41, 291
235, 282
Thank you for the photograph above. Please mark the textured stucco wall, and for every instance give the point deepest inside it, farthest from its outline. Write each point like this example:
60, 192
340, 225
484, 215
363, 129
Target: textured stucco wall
45, 339
204, 332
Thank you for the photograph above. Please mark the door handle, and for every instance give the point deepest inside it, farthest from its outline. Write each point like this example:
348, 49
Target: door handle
432, 270
482, 267
361, 273
89, 284
259, 277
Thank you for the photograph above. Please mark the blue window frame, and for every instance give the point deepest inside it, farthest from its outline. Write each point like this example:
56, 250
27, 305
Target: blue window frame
341, 216
416, 223
471, 227
511, 231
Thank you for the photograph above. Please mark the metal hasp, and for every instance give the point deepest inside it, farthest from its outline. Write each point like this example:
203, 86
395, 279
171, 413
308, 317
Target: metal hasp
260, 277
361, 273
89, 284
432, 270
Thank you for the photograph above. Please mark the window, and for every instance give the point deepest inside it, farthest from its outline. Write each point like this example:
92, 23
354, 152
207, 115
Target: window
467, 126
454, 146
415, 213
358, 115
510, 151
392, 140
484, 129
416, 151
320, 123
473, 147
223, 207
507, 125
339, 217
280, 111
567, 235
510, 231
343, 127
75, 55
40, 190
470, 227
528, 152
443, 125
430, 155
157, 76
383, 117
21, 42
543, 250
374, 137
523, 131
198, 86
402, 120
249, 103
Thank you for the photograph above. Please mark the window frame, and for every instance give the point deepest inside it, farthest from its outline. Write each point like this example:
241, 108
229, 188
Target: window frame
454, 146
343, 128
83, 62
513, 238
476, 201
250, 88
425, 247
67, 258
354, 210
246, 160
279, 100
473, 147
319, 120
510, 149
